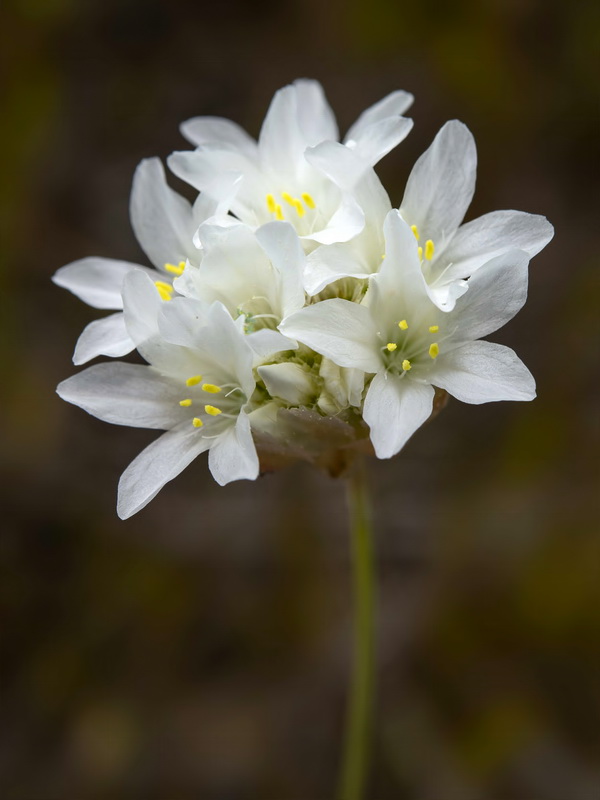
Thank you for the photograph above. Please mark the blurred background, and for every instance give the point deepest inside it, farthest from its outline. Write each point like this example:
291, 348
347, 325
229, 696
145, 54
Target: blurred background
202, 649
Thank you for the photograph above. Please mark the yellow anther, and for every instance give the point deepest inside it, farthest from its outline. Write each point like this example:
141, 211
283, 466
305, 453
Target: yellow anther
194, 380
434, 350
288, 198
406, 365
213, 411
185, 403
299, 207
164, 293
434, 328
278, 211
271, 204
403, 325
420, 252
197, 422
210, 387
391, 346
163, 285
415, 230
382, 256
308, 200
429, 249
175, 270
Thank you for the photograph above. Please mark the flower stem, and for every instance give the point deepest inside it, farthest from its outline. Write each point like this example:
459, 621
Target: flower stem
360, 710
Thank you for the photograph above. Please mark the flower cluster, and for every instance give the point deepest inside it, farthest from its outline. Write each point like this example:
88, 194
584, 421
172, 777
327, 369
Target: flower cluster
292, 311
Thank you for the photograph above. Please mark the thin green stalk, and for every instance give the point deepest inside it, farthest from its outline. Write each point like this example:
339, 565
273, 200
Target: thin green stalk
360, 711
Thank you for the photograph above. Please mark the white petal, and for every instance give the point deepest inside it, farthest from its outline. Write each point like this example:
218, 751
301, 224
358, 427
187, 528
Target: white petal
266, 343
203, 130
316, 119
233, 455
215, 172
495, 293
141, 305
282, 141
393, 105
340, 330
441, 184
483, 372
103, 337
158, 464
162, 220
394, 408
289, 382
215, 339
280, 242
96, 281
491, 235
353, 175
345, 224
125, 394
327, 264
398, 289
379, 138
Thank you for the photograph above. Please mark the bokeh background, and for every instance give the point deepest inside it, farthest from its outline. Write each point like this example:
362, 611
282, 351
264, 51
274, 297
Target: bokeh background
202, 649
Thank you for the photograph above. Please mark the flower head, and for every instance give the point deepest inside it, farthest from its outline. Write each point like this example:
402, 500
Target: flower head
291, 312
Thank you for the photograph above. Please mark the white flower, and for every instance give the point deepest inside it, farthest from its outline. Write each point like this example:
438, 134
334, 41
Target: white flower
257, 275
438, 193
164, 224
278, 182
410, 345
196, 388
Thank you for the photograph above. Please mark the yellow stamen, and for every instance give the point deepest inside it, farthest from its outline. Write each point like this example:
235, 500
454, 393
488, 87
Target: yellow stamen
185, 403
194, 380
415, 230
271, 204
197, 422
420, 252
308, 200
403, 325
175, 270
429, 249
288, 198
406, 365
164, 294
434, 350
434, 328
278, 211
391, 346
213, 411
299, 208
210, 387
163, 285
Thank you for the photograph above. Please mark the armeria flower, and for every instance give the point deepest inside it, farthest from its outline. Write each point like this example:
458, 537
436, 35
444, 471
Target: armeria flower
164, 224
409, 345
256, 275
278, 183
437, 196
196, 388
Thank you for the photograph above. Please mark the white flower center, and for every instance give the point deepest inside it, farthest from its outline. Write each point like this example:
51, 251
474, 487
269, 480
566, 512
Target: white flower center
229, 398
413, 346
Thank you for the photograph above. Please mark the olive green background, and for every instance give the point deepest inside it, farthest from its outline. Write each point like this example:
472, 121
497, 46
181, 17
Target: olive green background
202, 649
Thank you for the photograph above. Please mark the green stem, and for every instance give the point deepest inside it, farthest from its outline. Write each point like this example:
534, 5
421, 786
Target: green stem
360, 711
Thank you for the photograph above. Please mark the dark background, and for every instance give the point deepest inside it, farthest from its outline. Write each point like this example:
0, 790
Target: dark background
202, 649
